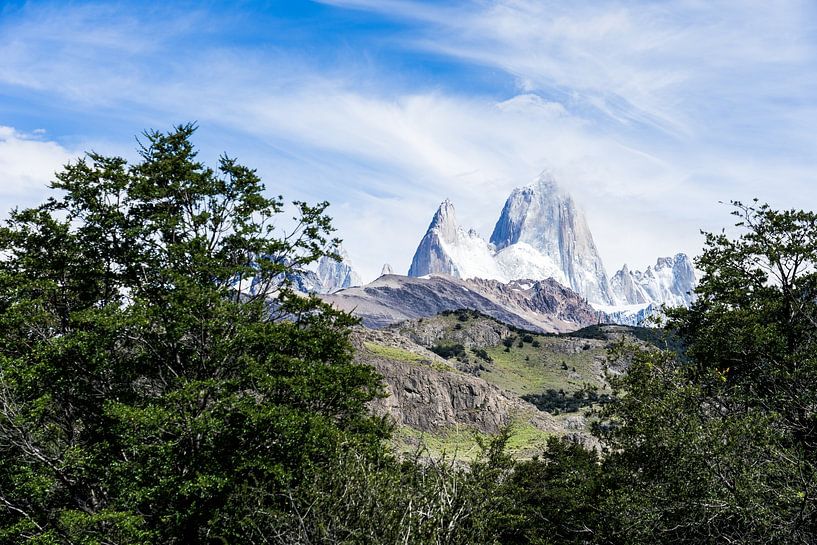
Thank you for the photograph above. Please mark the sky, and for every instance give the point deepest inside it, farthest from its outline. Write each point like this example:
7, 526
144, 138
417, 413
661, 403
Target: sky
651, 114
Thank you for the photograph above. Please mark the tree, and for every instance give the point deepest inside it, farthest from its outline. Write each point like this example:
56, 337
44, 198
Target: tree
159, 380
717, 445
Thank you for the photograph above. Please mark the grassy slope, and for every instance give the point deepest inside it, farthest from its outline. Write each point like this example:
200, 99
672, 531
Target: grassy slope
558, 363
463, 443
532, 370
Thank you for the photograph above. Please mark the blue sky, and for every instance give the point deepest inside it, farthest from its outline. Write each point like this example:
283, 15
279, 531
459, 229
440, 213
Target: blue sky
649, 113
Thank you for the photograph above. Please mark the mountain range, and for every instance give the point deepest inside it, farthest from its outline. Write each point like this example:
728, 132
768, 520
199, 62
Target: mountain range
540, 235
543, 305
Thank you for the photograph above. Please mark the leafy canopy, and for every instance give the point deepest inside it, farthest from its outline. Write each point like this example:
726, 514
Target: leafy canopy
159, 381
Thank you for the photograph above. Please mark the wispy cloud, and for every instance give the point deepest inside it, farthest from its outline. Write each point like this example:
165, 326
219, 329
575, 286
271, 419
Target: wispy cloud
660, 63
649, 113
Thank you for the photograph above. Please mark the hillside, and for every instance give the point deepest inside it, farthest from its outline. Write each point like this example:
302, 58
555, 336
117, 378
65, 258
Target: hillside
544, 305
460, 374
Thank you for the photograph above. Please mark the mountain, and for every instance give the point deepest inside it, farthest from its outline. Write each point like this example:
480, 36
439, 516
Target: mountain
386, 270
540, 234
670, 282
543, 230
543, 305
334, 275
632, 315
447, 248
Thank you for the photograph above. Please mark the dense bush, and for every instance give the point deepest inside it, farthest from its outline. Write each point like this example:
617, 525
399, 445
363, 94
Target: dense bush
558, 401
449, 351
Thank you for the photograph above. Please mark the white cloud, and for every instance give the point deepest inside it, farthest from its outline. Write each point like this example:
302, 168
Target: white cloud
648, 113
27, 166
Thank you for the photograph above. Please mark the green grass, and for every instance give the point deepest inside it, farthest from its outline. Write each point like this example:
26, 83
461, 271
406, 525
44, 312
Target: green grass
393, 353
533, 370
399, 354
462, 442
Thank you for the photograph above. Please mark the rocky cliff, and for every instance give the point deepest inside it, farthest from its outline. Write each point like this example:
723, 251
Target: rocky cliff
426, 393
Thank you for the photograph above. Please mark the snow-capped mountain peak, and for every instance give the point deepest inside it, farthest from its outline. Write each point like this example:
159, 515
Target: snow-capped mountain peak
671, 281
447, 248
540, 234
543, 216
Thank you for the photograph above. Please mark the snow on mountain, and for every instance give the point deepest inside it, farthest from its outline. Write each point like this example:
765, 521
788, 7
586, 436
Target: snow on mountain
634, 315
386, 270
521, 260
449, 249
540, 234
670, 282
335, 275
626, 290
543, 216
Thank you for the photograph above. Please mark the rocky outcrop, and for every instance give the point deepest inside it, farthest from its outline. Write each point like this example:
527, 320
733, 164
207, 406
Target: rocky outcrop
473, 333
429, 396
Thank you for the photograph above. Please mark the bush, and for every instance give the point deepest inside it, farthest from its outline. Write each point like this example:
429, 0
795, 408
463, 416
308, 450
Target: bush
449, 351
482, 354
146, 397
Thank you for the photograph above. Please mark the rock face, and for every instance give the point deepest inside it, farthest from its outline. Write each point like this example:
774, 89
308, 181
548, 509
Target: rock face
546, 219
540, 234
543, 305
447, 248
671, 282
626, 291
335, 275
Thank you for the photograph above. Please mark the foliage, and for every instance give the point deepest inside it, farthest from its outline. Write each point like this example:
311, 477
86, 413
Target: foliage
159, 382
554, 401
717, 445
448, 351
